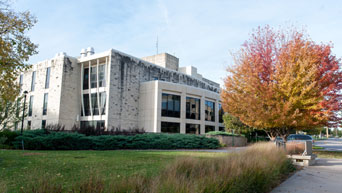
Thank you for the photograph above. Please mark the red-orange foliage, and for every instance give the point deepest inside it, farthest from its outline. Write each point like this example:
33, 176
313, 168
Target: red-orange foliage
282, 80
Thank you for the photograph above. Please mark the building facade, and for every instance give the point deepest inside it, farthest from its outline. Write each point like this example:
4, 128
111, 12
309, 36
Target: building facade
115, 90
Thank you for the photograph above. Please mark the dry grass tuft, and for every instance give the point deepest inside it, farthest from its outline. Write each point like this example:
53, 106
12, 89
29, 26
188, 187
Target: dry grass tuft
257, 169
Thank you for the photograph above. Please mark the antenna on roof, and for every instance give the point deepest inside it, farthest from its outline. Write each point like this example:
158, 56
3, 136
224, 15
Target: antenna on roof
157, 45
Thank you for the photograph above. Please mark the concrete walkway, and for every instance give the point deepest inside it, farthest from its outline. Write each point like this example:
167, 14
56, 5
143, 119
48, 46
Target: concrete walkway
325, 176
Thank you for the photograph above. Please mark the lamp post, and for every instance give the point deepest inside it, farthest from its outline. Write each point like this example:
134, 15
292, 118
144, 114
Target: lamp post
22, 119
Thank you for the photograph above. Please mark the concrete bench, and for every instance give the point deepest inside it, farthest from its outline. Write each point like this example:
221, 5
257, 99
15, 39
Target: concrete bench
306, 160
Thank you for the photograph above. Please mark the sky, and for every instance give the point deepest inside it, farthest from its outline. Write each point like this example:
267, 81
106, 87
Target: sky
200, 33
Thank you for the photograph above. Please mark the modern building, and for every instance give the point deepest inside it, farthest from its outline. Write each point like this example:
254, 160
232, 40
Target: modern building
115, 90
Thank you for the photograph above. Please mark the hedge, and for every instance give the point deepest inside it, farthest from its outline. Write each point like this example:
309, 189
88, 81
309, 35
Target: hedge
7, 137
47, 140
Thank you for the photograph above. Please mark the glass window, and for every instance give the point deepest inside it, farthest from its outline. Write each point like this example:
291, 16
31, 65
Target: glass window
169, 127
102, 76
209, 128
30, 106
222, 129
193, 108
170, 105
45, 103
93, 77
43, 124
33, 82
209, 111
94, 124
28, 125
193, 128
94, 104
47, 78
85, 78
221, 113
21, 82
103, 102
86, 104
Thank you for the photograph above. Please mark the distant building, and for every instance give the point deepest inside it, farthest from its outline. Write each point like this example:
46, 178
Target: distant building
114, 89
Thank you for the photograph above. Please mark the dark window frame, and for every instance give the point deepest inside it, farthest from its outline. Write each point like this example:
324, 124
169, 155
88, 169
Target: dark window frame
210, 114
169, 127
45, 103
47, 77
172, 106
190, 108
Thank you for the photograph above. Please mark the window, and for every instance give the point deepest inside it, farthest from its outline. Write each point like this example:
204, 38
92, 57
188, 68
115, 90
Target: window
209, 128
93, 77
94, 124
85, 78
43, 124
47, 78
86, 105
168, 127
170, 105
193, 128
103, 102
45, 103
94, 104
221, 113
222, 129
28, 125
33, 80
209, 111
193, 108
30, 106
21, 82
102, 76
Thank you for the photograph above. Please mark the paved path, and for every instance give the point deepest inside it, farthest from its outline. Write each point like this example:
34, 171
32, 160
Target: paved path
325, 176
334, 144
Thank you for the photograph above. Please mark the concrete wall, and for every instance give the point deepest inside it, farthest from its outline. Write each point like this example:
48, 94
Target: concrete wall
164, 60
54, 91
150, 105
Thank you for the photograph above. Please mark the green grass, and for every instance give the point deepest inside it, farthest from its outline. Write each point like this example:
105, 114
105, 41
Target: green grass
329, 154
317, 147
20, 169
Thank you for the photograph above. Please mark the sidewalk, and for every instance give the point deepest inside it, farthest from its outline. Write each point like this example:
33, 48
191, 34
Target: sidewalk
325, 176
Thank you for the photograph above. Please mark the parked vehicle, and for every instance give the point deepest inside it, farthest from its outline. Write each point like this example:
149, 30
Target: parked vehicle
300, 137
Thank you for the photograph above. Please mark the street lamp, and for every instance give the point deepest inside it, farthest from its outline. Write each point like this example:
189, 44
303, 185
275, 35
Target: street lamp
22, 119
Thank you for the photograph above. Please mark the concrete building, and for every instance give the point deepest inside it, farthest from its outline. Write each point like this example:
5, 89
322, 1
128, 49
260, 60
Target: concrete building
115, 90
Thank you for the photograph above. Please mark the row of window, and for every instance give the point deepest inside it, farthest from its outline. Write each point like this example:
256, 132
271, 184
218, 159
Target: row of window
171, 107
171, 127
94, 104
93, 74
33, 79
45, 104
29, 125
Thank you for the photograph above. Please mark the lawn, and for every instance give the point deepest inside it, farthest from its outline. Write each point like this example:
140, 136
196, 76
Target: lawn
329, 154
20, 169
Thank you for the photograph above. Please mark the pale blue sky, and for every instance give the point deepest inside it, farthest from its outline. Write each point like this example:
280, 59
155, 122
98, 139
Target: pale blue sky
200, 33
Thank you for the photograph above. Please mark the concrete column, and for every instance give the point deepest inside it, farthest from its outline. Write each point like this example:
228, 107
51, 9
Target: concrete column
183, 112
202, 126
216, 115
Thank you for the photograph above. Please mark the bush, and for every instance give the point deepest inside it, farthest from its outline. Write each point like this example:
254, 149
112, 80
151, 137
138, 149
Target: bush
223, 133
7, 138
50, 140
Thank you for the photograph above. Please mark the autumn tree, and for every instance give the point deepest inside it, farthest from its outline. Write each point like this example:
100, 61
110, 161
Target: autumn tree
15, 50
281, 81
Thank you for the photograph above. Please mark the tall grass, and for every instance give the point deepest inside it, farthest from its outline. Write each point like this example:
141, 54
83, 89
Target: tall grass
257, 169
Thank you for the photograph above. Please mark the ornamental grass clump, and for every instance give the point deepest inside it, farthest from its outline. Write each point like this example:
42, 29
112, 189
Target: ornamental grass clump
259, 168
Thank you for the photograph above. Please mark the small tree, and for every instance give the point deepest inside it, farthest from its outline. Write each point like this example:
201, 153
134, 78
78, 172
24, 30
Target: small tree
11, 114
234, 123
283, 81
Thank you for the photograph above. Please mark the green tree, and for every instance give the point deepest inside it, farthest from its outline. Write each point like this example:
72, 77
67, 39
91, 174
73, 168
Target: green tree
15, 50
233, 123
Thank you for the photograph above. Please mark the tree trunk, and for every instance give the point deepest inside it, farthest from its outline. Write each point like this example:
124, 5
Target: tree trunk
327, 130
